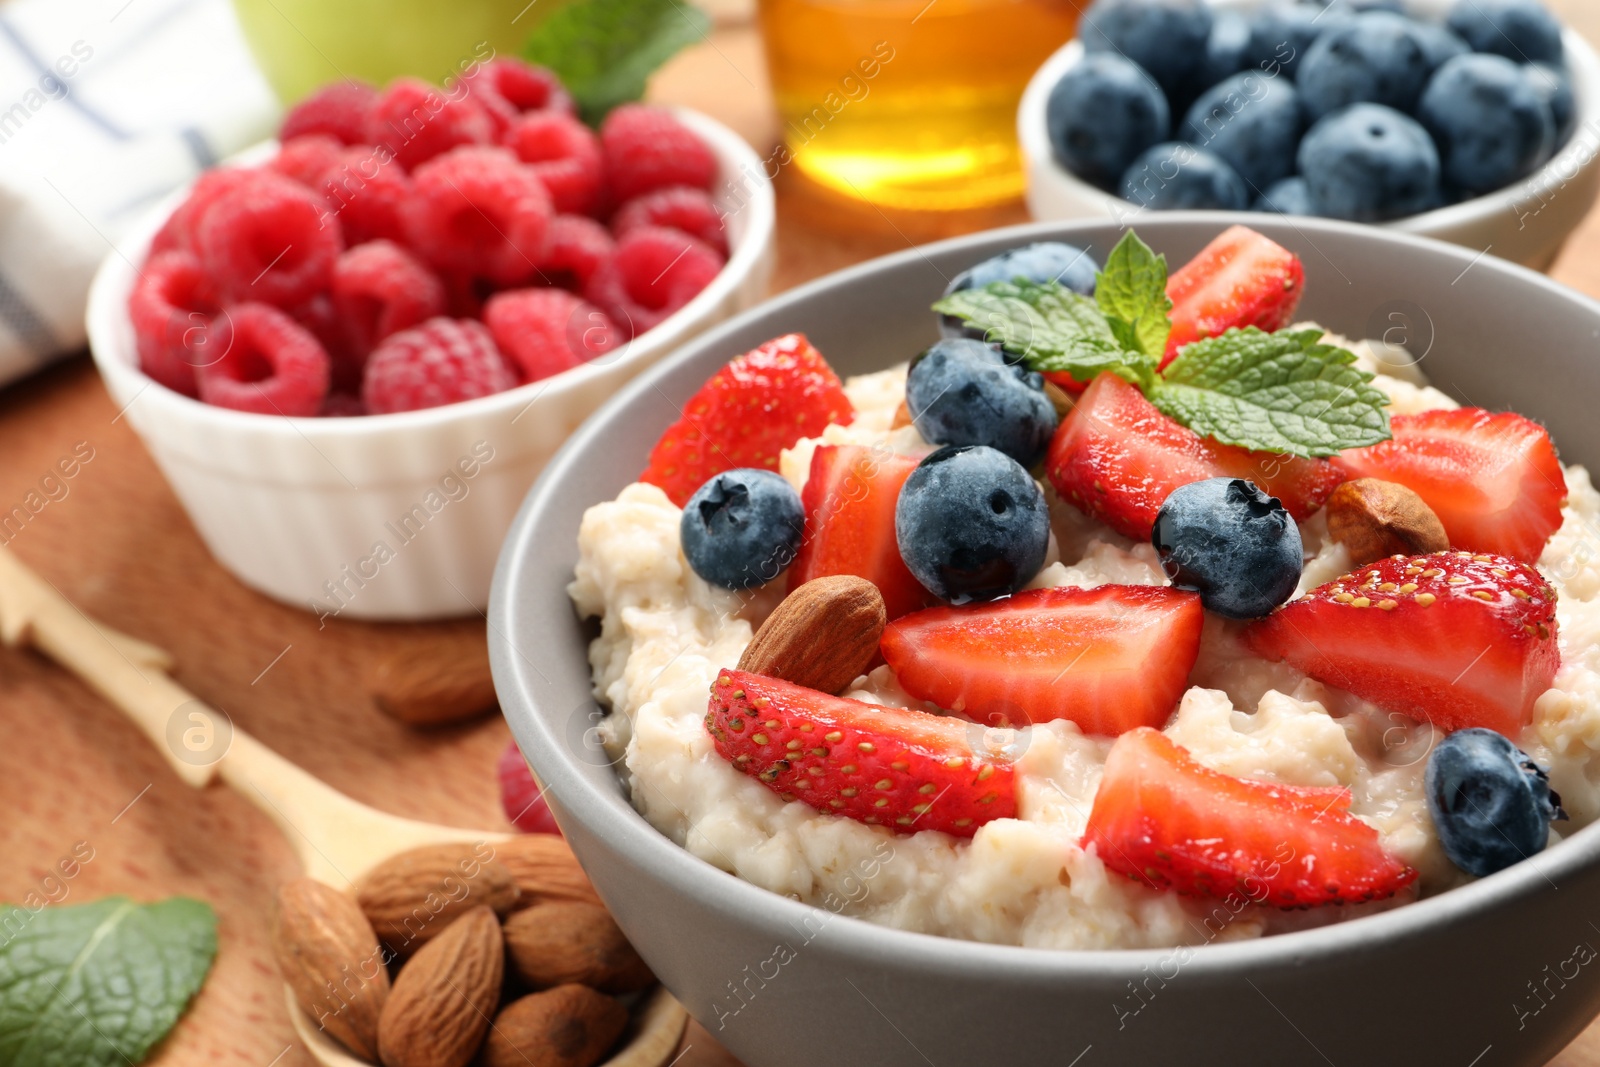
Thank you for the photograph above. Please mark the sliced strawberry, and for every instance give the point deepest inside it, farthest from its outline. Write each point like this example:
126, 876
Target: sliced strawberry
1065, 382
849, 498
893, 767
758, 405
1162, 818
1240, 279
1453, 638
1117, 458
1110, 658
1493, 480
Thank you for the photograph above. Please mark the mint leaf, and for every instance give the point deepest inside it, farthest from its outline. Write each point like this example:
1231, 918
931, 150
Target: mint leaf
1273, 392
1051, 327
605, 50
1132, 292
96, 985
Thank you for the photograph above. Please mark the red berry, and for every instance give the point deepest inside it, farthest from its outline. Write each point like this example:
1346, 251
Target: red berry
367, 195
171, 307
646, 148
652, 273
521, 797
759, 404
321, 317
563, 153
676, 207
269, 241
1110, 658
338, 109
1493, 480
178, 232
574, 248
907, 770
342, 406
527, 87
270, 364
380, 289
1240, 279
1165, 821
1453, 638
306, 159
415, 122
478, 211
440, 362
547, 331
849, 500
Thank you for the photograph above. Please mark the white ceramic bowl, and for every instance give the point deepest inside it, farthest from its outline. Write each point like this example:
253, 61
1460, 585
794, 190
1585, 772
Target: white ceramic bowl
395, 516
1526, 222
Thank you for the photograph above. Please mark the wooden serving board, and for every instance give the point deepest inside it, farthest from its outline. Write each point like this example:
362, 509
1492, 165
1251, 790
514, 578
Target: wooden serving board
75, 776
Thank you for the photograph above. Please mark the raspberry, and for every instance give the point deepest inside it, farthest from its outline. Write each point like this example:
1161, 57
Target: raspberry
416, 122
171, 307
479, 211
265, 241
646, 148
342, 405
270, 364
338, 110
520, 796
367, 194
678, 207
574, 248
563, 153
547, 331
653, 273
320, 316
305, 159
179, 229
380, 288
440, 362
527, 87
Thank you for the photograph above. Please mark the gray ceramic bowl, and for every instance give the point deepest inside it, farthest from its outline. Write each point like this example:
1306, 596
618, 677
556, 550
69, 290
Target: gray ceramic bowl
1498, 972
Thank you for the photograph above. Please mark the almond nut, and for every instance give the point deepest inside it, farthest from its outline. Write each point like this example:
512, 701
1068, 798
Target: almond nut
1059, 399
412, 897
568, 1026
332, 960
902, 417
444, 997
1374, 519
544, 868
553, 944
443, 680
823, 635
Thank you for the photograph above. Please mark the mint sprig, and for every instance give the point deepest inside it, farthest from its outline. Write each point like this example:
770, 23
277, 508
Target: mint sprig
1132, 293
96, 985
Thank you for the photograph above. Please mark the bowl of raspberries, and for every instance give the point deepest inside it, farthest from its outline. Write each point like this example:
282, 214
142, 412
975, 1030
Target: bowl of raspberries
352, 349
1472, 121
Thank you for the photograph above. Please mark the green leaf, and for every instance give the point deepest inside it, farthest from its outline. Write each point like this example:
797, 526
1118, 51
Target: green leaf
96, 985
1273, 392
1132, 292
605, 50
1051, 327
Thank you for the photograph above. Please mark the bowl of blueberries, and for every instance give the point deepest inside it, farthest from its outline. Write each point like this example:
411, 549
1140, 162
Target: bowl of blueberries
1471, 121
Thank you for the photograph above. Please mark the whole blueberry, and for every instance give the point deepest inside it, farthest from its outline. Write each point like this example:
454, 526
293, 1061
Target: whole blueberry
1375, 57
1489, 122
1179, 175
1369, 163
1291, 196
742, 527
1522, 30
1226, 48
1281, 34
971, 524
1555, 86
1490, 803
1044, 261
1233, 544
1439, 44
1102, 114
963, 392
1251, 122
1165, 37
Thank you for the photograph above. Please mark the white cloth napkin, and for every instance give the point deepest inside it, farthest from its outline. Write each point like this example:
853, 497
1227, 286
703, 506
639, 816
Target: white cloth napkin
105, 106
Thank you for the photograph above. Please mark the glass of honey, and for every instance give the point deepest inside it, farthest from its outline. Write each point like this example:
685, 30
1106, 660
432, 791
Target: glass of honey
910, 104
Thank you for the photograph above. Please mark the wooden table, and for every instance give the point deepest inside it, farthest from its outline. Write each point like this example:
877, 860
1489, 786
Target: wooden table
119, 545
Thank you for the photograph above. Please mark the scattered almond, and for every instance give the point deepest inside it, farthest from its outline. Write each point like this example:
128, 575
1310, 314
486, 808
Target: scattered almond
568, 1026
444, 997
544, 868
330, 957
1374, 519
441, 681
1059, 398
561, 942
413, 897
902, 417
822, 636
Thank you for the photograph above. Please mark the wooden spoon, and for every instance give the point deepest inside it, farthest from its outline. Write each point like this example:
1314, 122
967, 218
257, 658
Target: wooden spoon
336, 838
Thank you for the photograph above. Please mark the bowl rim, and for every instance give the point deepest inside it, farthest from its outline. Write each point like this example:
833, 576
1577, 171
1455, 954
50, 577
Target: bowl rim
1561, 169
621, 828
739, 167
